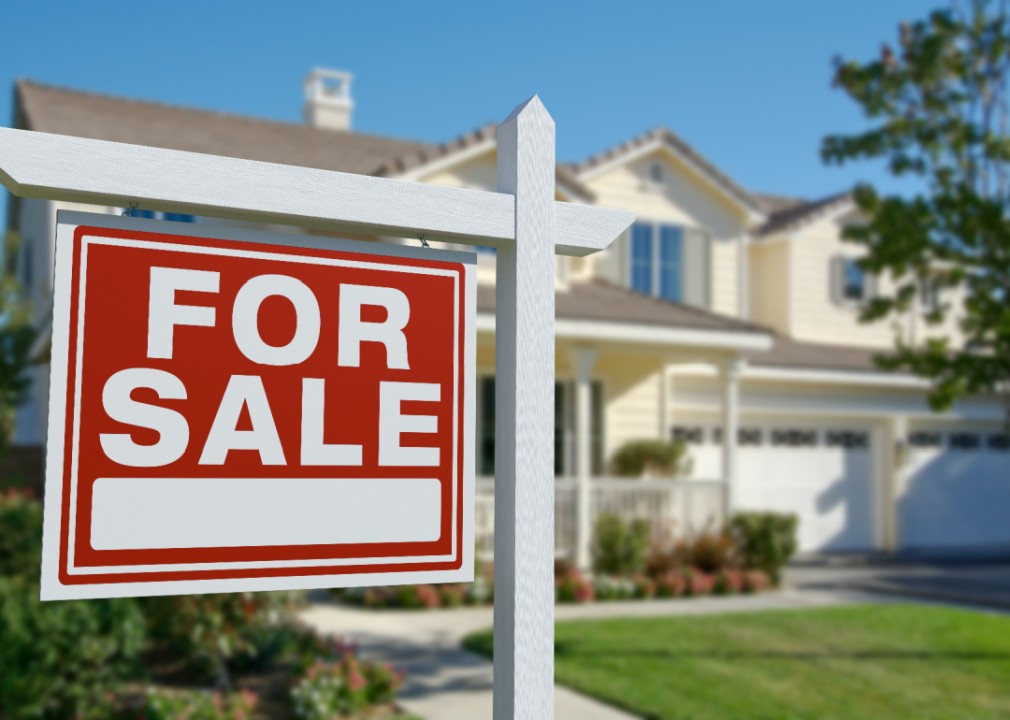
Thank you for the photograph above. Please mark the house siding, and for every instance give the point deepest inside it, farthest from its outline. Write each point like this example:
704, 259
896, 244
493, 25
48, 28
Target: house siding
633, 391
769, 285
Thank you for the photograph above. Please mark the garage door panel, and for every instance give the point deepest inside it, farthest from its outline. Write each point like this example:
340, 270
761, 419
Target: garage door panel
956, 497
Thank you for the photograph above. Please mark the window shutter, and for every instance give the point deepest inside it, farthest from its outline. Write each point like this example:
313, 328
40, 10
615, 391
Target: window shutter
870, 287
697, 268
836, 279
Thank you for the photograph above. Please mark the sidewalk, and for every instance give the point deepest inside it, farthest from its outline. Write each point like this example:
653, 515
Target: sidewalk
446, 682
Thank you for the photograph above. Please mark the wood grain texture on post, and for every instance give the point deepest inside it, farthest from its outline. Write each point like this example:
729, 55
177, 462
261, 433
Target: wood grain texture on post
524, 422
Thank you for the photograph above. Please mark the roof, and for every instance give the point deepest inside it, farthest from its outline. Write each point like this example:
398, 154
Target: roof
61, 111
788, 353
665, 135
601, 301
791, 217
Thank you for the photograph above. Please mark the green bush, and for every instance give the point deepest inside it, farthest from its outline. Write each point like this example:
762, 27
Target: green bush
656, 456
767, 540
184, 705
210, 631
61, 659
332, 690
20, 535
710, 552
620, 548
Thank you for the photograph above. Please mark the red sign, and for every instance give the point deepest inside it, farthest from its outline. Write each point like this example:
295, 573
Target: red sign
230, 413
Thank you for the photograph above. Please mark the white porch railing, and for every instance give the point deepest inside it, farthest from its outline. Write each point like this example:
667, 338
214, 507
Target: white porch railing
674, 508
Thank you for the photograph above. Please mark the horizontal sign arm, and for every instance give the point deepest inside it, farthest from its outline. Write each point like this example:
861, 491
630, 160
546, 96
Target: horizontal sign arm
59, 167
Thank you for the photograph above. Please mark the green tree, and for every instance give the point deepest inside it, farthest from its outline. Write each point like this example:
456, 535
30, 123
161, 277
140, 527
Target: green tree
937, 105
16, 338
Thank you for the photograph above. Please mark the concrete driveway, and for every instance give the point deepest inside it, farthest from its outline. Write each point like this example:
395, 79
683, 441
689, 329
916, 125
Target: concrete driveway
985, 583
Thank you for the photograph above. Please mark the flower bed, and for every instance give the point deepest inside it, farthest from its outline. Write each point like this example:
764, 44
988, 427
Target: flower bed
573, 587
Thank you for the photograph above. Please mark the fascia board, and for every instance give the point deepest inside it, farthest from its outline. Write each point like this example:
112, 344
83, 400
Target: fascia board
447, 161
97, 172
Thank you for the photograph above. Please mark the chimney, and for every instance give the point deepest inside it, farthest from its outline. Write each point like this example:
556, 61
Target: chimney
328, 101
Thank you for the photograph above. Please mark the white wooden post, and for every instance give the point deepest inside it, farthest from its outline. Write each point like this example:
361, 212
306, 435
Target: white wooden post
730, 426
524, 423
584, 359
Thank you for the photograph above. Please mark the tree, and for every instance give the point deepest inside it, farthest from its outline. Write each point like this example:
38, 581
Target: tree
16, 338
938, 110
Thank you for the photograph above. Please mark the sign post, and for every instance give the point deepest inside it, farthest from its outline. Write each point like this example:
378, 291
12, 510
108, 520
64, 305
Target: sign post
522, 220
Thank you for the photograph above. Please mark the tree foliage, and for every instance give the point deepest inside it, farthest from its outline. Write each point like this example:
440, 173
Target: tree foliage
16, 338
937, 104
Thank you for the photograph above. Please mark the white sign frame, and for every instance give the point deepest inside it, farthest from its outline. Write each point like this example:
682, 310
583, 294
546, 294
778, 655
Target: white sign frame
57, 454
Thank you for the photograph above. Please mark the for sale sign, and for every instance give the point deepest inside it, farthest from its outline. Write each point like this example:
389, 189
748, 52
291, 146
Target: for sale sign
233, 410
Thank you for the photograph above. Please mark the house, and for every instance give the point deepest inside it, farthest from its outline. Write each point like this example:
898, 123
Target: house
721, 314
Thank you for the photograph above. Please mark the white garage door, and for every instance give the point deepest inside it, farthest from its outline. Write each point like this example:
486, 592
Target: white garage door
958, 489
823, 474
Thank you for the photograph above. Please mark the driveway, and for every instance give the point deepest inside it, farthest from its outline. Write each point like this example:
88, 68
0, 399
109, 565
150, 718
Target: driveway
985, 583
445, 682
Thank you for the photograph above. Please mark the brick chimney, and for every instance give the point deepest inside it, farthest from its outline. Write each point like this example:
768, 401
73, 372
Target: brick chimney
328, 101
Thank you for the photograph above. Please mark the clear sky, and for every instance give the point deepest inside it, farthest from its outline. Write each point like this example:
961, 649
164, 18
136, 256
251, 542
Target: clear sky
747, 82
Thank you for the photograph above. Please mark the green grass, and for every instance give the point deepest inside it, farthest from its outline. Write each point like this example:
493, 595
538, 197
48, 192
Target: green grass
850, 663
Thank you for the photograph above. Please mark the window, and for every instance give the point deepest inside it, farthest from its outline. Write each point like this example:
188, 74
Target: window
848, 439
688, 435
849, 284
744, 436
854, 285
1000, 442
929, 295
965, 441
794, 438
657, 260
656, 173
925, 440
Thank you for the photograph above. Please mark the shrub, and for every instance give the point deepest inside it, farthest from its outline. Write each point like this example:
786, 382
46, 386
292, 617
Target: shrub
208, 631
644, 586
193, 705
656, 456
710, 552
61, 659
620, 548
330, 690
606, 587
767, 540
20, 535
452, 595
696, 582
728, 582
671, 585
661, 562
573, 588
479, 592
754, 581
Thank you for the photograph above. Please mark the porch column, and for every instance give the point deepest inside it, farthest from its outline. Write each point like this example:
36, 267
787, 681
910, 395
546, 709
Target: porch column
731, 369
583, 359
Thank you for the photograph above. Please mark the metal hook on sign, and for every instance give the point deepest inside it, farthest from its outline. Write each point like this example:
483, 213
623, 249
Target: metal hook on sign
424, 243
129, 211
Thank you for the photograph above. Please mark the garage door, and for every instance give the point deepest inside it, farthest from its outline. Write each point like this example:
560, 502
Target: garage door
823, 474
958, 489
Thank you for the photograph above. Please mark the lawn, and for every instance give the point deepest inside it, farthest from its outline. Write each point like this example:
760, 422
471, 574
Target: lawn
852, 663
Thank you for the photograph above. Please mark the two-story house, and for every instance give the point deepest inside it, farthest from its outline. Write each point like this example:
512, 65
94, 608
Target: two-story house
721, 314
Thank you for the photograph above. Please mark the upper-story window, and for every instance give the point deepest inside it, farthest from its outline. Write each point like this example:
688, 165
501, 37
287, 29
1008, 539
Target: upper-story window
849, 282
657, 260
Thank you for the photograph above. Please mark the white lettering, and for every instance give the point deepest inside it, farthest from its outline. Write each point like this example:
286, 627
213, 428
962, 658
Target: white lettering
162, 312
243, 390
245, 322
392, 423
170, 425
314, 451
353, 331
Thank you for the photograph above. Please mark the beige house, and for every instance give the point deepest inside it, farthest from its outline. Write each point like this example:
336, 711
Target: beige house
722, 313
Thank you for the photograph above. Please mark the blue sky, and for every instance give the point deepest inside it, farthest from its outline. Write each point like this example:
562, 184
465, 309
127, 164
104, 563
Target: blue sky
747, 83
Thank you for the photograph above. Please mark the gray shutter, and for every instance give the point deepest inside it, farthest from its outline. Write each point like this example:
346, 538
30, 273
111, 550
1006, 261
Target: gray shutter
871, 286
836, 279
697, 268
612, 263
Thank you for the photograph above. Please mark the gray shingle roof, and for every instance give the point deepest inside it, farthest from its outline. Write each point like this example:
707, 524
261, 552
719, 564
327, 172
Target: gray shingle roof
787, 353
48, 109
602, 301
794, 216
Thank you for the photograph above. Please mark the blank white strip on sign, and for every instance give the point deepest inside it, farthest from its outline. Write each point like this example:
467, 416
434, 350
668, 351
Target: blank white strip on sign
162, 513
